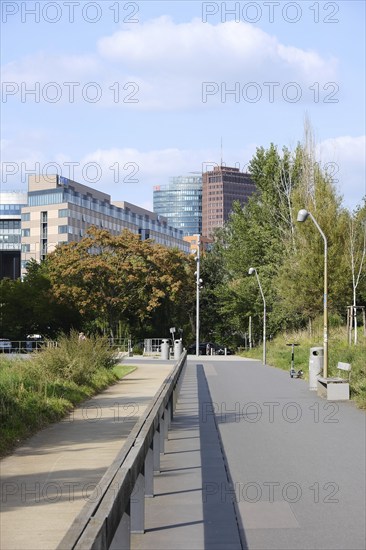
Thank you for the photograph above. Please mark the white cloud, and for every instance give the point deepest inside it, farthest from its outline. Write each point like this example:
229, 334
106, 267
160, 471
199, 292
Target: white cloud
129, 174
345, 156
170, 61
44, 67
227, 48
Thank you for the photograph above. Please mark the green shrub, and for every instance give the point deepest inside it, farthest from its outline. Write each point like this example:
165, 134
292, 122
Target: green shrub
75, 360
40, 390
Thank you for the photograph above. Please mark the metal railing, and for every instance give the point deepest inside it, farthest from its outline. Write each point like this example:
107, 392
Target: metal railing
27, 346
110, 506
121, 344
152, 346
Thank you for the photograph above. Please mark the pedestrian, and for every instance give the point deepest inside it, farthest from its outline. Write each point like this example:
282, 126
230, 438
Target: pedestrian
208, 349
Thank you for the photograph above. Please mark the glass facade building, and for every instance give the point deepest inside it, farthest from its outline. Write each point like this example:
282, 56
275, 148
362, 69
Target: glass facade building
180, 202
11, 204
60, 210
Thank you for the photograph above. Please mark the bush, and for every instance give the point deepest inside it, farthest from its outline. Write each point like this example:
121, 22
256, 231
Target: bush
75, 360
41, 390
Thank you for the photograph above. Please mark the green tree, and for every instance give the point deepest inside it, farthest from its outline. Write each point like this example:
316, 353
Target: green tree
29, 306
288, 256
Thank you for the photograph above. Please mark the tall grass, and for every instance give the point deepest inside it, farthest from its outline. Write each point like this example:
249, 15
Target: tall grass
41, 390
279, 355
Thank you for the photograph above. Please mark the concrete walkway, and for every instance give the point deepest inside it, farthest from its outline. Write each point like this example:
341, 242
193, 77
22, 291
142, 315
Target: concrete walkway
47, 480
254, 460
180, 516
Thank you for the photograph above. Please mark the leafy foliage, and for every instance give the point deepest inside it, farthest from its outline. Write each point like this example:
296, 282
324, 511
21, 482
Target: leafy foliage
111, 278
30, 307
289, 257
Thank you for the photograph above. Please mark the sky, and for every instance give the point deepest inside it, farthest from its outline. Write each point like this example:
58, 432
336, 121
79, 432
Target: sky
121, 96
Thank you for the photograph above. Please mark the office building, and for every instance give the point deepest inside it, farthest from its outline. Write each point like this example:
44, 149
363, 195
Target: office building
60, 210
180, 202
205, 243
220, 188
11, 204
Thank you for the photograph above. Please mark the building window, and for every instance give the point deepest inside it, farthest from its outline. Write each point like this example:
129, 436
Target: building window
62, 228
45, 198
26, 217
9, 224
25, 232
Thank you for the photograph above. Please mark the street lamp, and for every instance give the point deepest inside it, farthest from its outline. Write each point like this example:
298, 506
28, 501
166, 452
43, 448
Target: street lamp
198, 285
302, 217
250, 272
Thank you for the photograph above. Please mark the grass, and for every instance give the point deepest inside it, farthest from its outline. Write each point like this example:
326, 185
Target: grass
41, 390
279, 355
122, 370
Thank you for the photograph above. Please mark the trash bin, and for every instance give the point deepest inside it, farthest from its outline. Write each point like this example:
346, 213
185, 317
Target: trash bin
178, 348
164, 349
316, 363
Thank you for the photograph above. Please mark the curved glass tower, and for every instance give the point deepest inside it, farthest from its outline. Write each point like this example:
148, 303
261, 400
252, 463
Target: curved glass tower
180, 202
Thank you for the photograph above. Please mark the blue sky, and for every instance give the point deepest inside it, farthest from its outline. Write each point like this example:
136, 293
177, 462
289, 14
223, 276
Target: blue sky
128, 94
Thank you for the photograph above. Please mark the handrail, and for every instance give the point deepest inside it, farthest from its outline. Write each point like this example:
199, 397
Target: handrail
99, 519
25, 346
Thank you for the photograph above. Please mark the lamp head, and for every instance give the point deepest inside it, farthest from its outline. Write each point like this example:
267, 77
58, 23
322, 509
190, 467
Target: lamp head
302, 215
251, 270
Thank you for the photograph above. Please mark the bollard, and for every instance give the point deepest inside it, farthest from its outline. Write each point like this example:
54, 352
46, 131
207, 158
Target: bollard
178, 348
164, 350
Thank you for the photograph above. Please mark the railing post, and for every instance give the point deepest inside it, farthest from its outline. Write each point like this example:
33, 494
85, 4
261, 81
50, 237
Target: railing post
156, 450
149, 472
166, 420
171, 409
122, 537
162, 433
138, 505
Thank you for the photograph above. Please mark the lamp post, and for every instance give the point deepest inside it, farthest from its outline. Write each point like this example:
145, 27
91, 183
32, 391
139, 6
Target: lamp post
302, 216
250, 272
198, 284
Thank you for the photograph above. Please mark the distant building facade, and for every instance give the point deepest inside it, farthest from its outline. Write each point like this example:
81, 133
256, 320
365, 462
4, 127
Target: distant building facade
180, 202
11, 204
60, 210
220, 188
205, 243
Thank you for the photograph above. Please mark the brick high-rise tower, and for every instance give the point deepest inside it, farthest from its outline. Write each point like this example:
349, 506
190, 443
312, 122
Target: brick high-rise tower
220, 188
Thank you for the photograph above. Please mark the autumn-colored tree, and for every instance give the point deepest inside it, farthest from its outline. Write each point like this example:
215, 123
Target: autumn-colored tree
113, 278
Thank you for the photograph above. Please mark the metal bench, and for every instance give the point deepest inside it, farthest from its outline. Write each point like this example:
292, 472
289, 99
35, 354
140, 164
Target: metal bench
336, 388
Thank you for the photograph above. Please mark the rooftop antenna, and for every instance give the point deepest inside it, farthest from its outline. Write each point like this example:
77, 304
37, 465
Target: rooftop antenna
221, 150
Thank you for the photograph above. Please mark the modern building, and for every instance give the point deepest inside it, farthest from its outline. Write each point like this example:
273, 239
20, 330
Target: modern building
60, 210
180, 202
220, 188
11, 204
205, 243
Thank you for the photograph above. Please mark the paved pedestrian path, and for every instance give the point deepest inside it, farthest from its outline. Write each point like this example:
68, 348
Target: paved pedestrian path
254, 460
181, 515
47, 480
